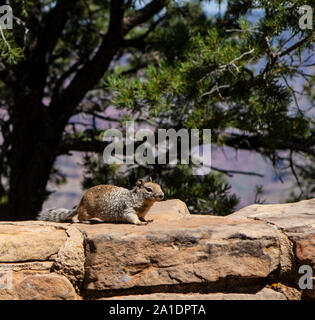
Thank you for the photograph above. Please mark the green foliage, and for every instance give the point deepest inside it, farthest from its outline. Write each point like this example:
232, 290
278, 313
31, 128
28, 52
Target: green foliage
232, 77
10, 53
208, 194
212, 71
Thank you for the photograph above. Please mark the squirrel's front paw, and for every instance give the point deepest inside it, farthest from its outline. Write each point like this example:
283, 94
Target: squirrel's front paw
143, 220
142, 223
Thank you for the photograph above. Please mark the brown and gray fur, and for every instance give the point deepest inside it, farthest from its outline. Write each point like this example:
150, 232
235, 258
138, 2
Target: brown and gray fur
109, 203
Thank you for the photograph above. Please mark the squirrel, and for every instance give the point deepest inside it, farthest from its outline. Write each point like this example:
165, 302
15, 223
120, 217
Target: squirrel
109, 203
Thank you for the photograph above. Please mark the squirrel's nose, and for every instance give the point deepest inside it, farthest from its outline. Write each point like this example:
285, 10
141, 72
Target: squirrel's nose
161, 196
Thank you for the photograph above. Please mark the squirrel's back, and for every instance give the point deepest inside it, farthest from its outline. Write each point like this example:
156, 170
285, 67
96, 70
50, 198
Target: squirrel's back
105, 202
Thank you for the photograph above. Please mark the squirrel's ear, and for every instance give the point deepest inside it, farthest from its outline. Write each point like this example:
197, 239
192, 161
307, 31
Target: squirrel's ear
150, 179
140, 182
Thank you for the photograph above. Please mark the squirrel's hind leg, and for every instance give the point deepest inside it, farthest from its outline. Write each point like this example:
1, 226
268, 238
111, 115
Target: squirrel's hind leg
130, 216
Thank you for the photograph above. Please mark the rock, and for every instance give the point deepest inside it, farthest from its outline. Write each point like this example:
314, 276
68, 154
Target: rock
287, 259
291, 217
304, 250
36, 265
177, 256
70, 258
27, 253
168, 210
30, 285
288, 292
195, 251
31, 242
264, 294
297, 224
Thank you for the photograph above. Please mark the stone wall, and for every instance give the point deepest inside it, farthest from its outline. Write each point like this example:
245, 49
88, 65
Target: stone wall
254, 253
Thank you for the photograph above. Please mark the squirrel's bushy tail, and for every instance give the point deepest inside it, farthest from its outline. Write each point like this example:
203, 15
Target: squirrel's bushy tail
57, 214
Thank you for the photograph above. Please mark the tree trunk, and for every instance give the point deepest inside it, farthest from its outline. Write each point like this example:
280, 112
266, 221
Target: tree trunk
28, 181
37, 130
31, 158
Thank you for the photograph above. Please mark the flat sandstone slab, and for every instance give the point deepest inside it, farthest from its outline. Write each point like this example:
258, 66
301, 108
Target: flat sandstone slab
193, 250
264, 294
294, 217
29, 241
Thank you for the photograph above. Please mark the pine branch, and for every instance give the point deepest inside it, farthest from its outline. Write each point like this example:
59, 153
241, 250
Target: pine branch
64, 104
54, 25
294, 46
4, 38
142, 15
68, 145
231, 172
261, 144
139, 42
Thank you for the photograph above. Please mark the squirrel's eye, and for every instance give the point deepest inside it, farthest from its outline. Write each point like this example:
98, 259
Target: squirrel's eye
149, 189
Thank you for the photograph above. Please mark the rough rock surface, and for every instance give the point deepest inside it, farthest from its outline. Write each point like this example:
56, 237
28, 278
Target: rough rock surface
299, 216
296, 221
254, 253
168, 210
29, 242
264, 294
70, 258
197, 251
36, 285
